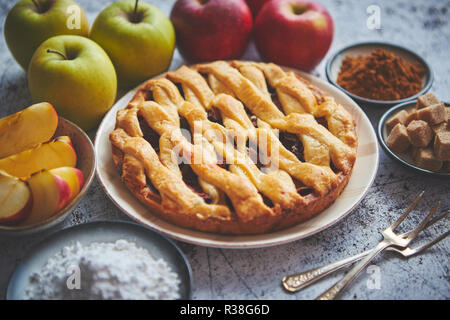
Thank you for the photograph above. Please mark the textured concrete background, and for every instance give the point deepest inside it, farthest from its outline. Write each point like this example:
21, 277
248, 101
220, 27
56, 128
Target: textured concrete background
255, 274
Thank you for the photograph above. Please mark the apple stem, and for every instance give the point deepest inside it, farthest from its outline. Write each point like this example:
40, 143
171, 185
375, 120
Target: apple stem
38, 6
298, 9
135, 19
57, 52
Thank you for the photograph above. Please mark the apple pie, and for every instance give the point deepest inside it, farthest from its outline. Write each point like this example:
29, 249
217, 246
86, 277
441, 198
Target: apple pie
234, 147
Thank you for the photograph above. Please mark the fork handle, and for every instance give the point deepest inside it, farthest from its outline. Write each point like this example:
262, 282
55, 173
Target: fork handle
339, 286
296, 282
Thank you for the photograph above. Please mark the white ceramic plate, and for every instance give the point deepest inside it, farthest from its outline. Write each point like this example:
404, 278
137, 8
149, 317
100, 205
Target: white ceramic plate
363, 175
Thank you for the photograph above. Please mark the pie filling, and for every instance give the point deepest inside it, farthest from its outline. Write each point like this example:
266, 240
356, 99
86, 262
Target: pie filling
291, 142
191, 180
149, 134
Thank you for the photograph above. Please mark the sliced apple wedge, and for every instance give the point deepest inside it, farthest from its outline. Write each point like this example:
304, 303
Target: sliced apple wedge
50, 194
73, 177
15, 200
28, 128
54, 154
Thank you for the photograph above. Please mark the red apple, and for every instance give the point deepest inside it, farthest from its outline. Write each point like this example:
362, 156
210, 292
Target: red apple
294, 33
208, 30
255, 6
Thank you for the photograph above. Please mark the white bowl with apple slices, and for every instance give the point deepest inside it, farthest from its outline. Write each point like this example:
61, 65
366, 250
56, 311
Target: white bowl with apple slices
86, 162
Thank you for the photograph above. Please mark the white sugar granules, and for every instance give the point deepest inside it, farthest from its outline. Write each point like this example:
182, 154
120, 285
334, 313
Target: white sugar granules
119, 270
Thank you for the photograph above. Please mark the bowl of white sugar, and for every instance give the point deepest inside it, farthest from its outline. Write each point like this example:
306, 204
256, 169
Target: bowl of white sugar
103, 260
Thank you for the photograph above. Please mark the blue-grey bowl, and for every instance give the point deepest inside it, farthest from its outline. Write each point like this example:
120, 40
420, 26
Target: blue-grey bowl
159, 246
333, 67
404, 160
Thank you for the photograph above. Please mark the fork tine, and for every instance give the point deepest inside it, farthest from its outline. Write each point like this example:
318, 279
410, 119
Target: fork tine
441, 216
429, 244
424, 222
438, 218
407, 212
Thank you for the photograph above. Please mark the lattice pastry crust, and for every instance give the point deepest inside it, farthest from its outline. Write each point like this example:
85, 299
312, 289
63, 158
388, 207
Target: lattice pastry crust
234, 147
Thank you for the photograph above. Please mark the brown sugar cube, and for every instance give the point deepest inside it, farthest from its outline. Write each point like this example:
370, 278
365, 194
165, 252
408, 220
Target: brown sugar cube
398, 140
424, 158
427, 100
411, 116
443, 126
442, 145
420, 133
400, 117
448, 113
434, 114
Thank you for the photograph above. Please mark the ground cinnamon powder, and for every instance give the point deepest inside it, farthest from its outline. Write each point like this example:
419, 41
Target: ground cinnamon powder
380, 76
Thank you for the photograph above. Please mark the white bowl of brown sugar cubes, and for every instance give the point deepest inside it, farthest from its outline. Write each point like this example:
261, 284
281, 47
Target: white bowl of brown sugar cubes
417, 133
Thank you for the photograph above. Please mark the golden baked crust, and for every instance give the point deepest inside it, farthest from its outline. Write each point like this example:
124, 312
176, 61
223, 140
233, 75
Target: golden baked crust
261, 149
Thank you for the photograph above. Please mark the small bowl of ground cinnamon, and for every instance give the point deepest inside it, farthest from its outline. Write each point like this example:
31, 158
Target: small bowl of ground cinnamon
377, 73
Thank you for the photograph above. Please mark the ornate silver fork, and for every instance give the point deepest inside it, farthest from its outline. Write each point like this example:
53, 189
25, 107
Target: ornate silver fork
390, 238
298, 281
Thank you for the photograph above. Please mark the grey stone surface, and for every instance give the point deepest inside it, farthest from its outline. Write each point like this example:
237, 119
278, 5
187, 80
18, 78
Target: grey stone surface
255, 274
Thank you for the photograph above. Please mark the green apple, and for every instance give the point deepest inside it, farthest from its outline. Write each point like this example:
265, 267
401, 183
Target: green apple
76, 76
31, 22
138, 37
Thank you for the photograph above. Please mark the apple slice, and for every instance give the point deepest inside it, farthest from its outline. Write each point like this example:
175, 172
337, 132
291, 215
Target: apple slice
50, 194
73, 177
28, 128
54, 154
15, 199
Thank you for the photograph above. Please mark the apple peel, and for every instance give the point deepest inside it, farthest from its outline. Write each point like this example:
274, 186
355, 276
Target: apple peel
73, 177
